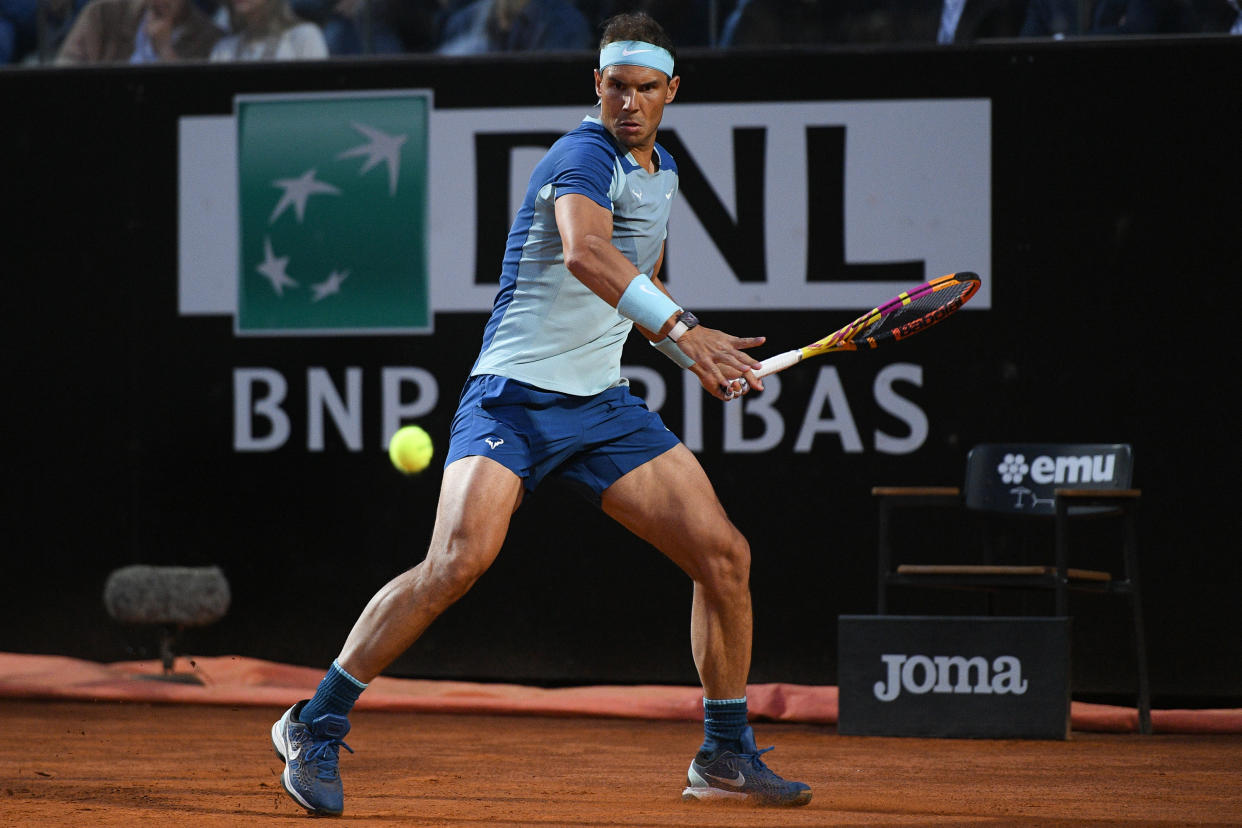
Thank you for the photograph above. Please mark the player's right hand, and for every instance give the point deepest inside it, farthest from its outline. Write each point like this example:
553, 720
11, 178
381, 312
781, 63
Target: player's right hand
720, 361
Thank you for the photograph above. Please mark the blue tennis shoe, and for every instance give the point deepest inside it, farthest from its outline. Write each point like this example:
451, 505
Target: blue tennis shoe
741, 777
310, 753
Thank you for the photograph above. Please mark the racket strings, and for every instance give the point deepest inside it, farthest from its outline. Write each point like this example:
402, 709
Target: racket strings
913, 313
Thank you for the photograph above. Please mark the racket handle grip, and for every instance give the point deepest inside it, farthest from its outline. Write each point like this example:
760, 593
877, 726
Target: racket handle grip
771, 365
779, 362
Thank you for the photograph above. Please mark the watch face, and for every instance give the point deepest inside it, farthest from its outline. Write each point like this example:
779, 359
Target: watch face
688, 319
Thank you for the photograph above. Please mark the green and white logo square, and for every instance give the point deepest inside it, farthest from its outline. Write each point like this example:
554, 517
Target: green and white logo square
332, 205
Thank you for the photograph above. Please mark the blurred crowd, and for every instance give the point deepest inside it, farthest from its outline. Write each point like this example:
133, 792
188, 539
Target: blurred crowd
140, 31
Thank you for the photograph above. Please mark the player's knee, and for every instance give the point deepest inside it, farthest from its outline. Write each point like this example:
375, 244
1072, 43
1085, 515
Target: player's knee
452, 571
727, 568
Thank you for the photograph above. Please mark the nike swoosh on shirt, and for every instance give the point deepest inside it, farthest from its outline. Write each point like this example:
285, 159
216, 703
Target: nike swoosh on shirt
736, 783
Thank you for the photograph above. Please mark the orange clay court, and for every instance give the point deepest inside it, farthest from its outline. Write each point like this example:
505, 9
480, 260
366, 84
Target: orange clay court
97, 744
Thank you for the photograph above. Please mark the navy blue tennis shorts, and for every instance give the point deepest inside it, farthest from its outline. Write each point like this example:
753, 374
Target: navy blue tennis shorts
591, 441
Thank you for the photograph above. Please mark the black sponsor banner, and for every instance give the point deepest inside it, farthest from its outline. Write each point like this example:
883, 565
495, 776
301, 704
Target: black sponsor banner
954, 676
139, 435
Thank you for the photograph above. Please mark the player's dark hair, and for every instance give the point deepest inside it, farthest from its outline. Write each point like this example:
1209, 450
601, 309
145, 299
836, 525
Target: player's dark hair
636, 26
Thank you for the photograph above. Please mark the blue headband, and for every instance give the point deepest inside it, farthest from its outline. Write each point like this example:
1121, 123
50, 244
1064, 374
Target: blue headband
636, 53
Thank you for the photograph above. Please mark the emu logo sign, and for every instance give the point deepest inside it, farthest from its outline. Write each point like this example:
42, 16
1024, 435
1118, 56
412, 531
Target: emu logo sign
1045, 470
920, 674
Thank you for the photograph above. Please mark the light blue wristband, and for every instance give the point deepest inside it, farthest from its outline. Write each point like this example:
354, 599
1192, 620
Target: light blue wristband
671, 350
645, 304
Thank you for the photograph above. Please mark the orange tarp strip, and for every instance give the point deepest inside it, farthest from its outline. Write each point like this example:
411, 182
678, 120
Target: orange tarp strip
236, 680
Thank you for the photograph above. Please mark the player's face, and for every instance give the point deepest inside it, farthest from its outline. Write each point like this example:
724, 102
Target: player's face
632, 100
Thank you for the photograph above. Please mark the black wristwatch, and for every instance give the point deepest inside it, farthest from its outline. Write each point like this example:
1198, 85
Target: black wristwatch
685, 321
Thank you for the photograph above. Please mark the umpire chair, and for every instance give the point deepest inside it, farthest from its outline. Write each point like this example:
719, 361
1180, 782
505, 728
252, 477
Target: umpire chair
1009, 490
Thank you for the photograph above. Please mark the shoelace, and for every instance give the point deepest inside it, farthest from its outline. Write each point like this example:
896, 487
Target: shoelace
756, 761
326, 754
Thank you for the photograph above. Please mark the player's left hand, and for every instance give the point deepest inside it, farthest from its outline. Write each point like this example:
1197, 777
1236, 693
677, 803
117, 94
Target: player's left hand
720, 361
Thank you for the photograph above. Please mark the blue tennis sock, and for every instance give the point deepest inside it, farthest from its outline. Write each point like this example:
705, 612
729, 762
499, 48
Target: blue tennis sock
723, 723
336, 694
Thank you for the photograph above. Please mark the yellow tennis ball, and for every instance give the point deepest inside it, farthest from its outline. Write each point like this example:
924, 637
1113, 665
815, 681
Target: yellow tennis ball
410, 449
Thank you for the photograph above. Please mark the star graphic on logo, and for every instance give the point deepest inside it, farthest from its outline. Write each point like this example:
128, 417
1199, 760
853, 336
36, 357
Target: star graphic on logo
330, 285
1013, 468
382, 147
297, 191
273, 269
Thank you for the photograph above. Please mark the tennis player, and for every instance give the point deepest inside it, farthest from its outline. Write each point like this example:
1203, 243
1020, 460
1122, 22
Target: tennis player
546, 397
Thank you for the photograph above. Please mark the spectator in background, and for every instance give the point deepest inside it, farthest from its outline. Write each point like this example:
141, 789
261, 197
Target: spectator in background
269, 30
18, 29
407, 25
1059, 18
782, 22
139, 31
774, 22
1220, 16
688, 22
514, 26
336, 19
387, 27
965, 21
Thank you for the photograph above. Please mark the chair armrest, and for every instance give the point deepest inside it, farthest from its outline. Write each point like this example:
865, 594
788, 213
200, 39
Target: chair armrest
895, 497
916, 491
1087, 502
1101, 494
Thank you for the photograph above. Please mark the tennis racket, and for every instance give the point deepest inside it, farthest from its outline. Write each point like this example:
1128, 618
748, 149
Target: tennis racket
899, 318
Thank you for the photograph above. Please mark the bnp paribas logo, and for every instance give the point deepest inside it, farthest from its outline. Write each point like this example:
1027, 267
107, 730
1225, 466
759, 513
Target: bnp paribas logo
332, 202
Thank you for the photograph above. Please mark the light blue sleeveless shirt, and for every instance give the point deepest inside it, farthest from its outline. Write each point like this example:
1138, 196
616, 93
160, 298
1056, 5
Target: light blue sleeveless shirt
547, 328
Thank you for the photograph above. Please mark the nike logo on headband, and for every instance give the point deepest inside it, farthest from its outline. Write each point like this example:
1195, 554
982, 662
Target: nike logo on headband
628, 52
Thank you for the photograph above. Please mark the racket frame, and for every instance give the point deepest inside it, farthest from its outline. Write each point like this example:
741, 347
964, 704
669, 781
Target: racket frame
843, 339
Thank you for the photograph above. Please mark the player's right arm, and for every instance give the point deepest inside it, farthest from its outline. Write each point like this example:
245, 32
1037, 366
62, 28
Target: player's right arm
586, 237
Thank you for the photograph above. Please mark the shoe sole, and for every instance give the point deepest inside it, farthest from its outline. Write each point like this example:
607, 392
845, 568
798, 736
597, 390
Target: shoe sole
694, 793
